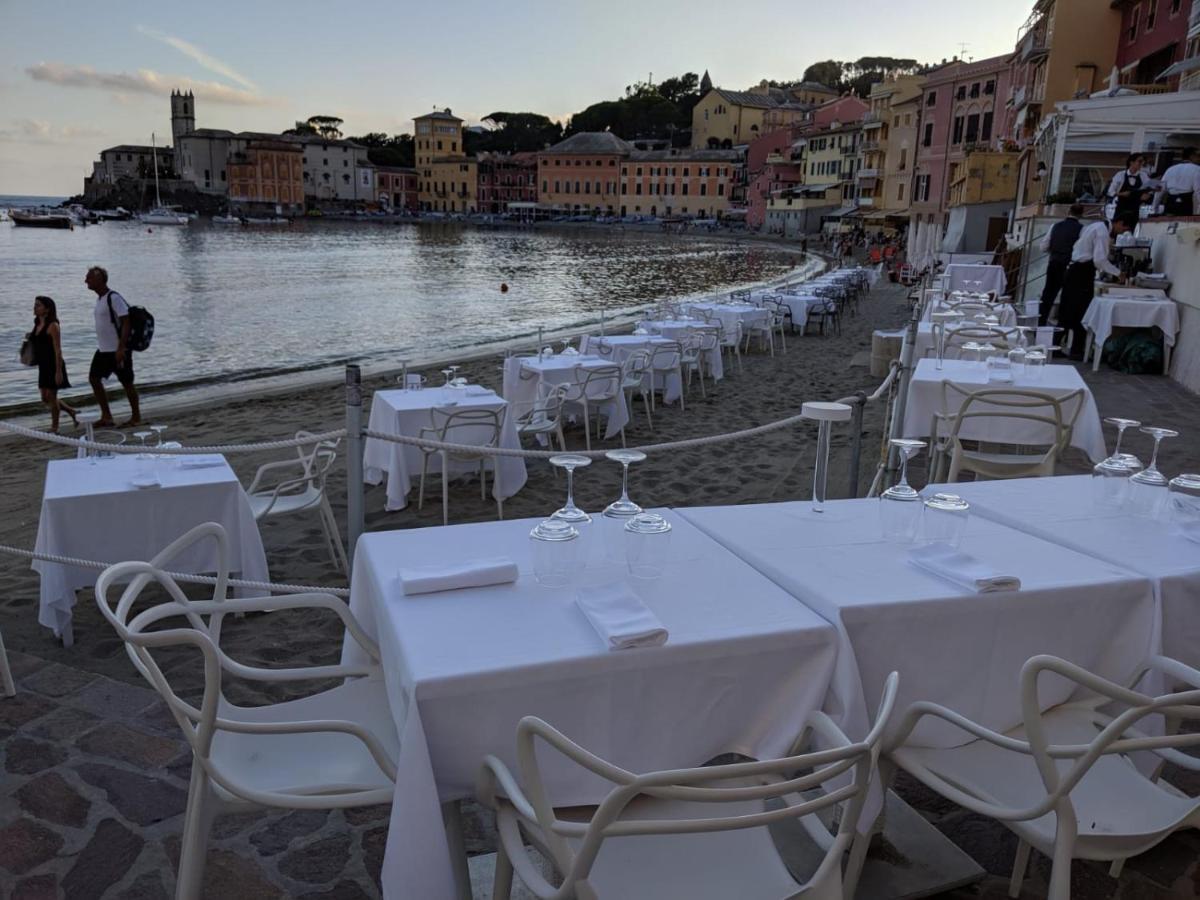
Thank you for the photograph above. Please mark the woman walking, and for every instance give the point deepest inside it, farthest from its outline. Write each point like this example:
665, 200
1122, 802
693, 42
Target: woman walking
47, 352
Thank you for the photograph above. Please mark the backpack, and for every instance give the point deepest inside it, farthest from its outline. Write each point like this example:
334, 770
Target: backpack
141, 325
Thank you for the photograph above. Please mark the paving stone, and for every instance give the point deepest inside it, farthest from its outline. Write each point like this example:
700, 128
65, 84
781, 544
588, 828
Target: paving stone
51, 798
148, 886
23, 709
23, 756
318, 862
367, 815
23, 664
234, 823
112, 699
343, 890
107, 858
64, 724
276, 836
139, 798
136, 747
39, 887
228, 875
986, 841
26, 844
57, 681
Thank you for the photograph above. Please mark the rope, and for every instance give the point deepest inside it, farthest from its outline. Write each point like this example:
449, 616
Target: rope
173, 451
179, 576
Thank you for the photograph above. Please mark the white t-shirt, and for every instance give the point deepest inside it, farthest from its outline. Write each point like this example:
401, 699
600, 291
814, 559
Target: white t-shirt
107, 337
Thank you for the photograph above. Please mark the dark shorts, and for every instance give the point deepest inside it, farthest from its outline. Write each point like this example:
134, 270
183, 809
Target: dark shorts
105, 364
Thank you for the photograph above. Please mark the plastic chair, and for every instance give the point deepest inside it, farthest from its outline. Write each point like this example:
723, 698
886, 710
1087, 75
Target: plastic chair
597, 387
480, 428
691, 361
1064, 782
301, 488
776, 323
544, 416
6, 679
731, 340
666, 360
696, 833
635, 375
331, 749
1000, 338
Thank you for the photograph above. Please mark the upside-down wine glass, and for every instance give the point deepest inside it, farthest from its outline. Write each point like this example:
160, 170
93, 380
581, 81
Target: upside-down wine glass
570, 512
158, 431
623, 507
1147, 486
1110, 476
447, 373
900, 509
141, 436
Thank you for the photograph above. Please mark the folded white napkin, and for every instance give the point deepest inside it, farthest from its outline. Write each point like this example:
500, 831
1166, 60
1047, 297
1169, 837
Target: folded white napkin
962, 569
620, 617
477, 390
453, 576
570, 351
206, 461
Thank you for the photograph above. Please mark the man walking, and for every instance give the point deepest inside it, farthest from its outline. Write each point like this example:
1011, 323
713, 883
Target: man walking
1058, 243
1180, 190
1079, 285
113, 356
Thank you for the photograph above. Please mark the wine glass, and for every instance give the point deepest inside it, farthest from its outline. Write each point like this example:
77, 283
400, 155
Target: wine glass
900, 509
570, 512
624, 507
1146, 487
446, 373
1183, 501
1131, 461
141, 436
647, 545
1110, 476
158, 430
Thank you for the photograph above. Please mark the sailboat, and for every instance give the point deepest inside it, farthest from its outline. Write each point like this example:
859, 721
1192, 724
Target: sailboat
160, 215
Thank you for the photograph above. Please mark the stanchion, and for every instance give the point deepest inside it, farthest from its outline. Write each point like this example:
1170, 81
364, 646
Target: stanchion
354, 458
856, 422
825, 414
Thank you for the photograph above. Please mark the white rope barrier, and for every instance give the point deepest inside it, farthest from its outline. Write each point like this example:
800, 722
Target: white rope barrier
94, 445
271, 587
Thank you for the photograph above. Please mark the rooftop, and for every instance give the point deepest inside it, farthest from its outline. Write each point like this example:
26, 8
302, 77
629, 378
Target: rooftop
136, 148
592, 142
439, 114
684, 154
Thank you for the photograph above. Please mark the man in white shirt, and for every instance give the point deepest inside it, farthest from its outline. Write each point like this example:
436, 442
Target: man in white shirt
113, 356
1089, 254
1180, 189
1131, 188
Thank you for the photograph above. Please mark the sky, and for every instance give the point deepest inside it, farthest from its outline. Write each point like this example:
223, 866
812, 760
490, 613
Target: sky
76, 77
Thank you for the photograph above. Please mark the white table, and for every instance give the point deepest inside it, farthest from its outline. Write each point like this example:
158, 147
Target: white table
925, 399
731, 313
406, 413
1063, 510
621, 346
744, 665
978, 278
960, 649
1146, 309
1006, 313
675, 330
524, 377
91, 510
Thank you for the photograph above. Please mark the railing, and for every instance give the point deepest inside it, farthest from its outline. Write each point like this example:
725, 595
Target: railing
1034, 44
868, 173
870, 146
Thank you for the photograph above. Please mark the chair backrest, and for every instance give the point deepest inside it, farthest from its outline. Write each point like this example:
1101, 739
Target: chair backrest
547, 408
666, 357
413, 381
635, 366
730, 337
478, 427
601, 347
998, 337
598, 383
1057, 413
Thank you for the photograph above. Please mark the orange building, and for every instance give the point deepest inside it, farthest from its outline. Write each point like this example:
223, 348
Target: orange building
581, 174
396, 188
679, 182
267, 175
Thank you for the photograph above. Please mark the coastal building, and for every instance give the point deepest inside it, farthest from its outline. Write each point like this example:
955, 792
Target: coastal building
1153, 37
889, 147
773, 164
679, 182
800, 210
831, 157
506, 179
267, 176
396, 188
724, 119
447, 179
183, 115
130, 161
979, 199
581, 174
1188, 68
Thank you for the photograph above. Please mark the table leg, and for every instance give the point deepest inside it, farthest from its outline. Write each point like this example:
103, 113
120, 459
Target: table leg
452, 820
68, 636
1166, 357
1092, 344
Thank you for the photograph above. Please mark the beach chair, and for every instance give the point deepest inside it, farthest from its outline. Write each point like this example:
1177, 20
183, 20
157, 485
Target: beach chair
598, 388
480, 428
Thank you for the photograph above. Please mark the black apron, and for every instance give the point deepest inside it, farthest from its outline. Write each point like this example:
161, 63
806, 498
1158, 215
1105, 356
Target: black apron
1132, 203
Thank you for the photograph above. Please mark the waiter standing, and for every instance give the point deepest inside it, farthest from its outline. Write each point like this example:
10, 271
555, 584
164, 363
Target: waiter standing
1180, 189
1130, 188
1079, 285
1058, 243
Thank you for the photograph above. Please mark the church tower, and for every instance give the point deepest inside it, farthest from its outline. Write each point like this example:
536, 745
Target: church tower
705, 84
183, 115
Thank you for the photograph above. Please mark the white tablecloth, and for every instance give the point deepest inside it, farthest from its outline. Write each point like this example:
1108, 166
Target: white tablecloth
525, 375
744, 665
730, 313
1005, 312
976, 278
622, 345
1063, 510
925, 398
963, 650
1109, 311
675, 330
93, 511
406, 413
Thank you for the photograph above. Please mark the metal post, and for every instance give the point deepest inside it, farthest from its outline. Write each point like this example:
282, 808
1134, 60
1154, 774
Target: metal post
354, 457
856, 423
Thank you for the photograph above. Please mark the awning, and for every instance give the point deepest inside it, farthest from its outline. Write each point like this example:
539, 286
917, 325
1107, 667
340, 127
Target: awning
844, 212
1184, 65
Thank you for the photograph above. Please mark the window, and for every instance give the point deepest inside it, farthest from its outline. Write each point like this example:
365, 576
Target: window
972, 128
624, 188
558, 187
453, 146
345, 163
637, 188
974, 90
931, 98
961, 93
703, 189
638, 171
907, 119
1135, 19
1151, 14
1175, 4
686, 171
903, 158
987, 126
958, 130
990, 87
439, 145
325, 161
685, 189
900, 192
928, 141
721, 189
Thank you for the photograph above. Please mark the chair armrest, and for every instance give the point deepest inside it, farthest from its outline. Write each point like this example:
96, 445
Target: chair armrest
276, 466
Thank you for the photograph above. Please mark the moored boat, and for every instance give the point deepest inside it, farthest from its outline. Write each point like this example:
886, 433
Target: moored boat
226, 220
161, 215
273, 220
42, 218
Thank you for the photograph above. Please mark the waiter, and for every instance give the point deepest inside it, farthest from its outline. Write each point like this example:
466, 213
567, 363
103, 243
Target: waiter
1079, 284
1130, 188
1058, 243
1180, 189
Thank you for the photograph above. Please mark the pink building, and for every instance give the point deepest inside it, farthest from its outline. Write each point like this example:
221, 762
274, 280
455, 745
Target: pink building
1153, 36
962, 108
770, 167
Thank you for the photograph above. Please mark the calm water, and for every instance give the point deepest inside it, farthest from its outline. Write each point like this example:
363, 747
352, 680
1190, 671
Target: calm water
236, 302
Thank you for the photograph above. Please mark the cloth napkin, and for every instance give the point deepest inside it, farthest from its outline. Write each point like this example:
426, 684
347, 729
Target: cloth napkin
477, 390
620, 617
962, 569
453, 576
206, 461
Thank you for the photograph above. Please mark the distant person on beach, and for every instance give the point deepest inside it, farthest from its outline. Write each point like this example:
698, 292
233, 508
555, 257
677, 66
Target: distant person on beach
47, 353
112, 357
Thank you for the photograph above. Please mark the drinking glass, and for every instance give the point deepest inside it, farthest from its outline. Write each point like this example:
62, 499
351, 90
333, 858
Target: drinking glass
570, 512
944, 520
999, 367
970, 351
141, 436
555, 552
158, 430
900, 509
1016, 362
647, 545
1183, 501
1035, 365
447, 373
623, 507
1128, 459
1147, 487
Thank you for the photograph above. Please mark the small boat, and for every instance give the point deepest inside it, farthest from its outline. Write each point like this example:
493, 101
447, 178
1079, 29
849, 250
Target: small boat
120, 214
226, 220
274, 220
161, 215
42, 218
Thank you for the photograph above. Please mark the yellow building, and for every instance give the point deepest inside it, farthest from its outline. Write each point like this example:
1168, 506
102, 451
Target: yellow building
446, 176
726, 119
831, 157
983, 177
889, 145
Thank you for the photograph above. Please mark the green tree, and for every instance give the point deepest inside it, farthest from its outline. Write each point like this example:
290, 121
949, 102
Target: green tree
662, 111
829, 72
328, 127
513, 132
382, 150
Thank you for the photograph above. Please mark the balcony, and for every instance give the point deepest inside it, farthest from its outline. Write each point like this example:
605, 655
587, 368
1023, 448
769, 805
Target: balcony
1033, 46
870, 146
867, 173
866, 201
849, 150
872, 121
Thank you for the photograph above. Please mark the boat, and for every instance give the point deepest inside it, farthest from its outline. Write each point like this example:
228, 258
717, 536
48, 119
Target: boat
42, 218
273, 220
226, 220
120, 214
161, 215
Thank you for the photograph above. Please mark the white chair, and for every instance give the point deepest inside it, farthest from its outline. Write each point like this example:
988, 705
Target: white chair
666, 361
731, 340
596, 388
635, 379
759, 328
1064, 781
301, 488
331, 749
480, 428
691, 361
6, 679
776, 323
695, 833
1000, 338
544, 416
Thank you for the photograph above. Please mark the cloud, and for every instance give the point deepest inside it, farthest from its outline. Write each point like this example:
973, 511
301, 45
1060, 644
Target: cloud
194, 53
143, 81
39, 131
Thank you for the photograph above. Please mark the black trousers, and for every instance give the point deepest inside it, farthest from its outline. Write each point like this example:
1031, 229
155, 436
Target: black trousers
1079, 286
1178, 205
1056, 269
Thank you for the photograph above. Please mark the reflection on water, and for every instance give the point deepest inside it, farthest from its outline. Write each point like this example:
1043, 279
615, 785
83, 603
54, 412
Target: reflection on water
232, 302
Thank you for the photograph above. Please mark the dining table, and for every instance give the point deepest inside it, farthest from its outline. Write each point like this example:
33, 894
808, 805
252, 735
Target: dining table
527, 378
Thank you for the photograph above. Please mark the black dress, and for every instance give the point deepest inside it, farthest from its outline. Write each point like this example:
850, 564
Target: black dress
43, 352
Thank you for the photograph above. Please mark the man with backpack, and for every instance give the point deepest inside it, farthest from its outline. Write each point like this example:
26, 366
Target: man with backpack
114, 354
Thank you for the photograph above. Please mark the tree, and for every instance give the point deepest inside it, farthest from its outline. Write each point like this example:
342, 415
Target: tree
828, 72
328, 127
662, 111
513, 132
382, 150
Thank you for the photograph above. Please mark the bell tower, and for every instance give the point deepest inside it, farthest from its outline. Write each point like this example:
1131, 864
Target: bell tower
183, 115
